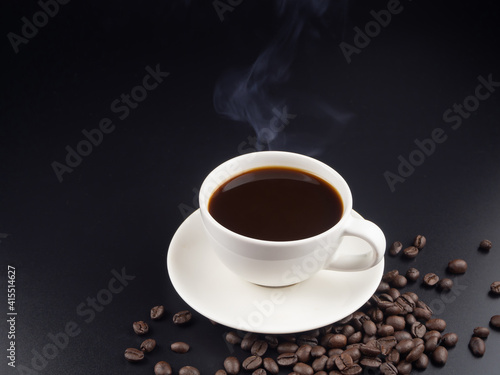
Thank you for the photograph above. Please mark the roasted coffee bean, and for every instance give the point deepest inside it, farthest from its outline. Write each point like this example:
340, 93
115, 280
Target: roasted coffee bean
402, 335
481, 332
395, 248
272, 341
412, 274
319, 363
405, 346
371, 362
134, 355
371, 349
432, 333
431, 344
304, 353
440, 355
390, 275
394, 293
457, 266
354, 338
408, 298
396, 321
415, 353
436, 324
354, 353
411, 252
377, 316
232, 365
337, 340
252, 363
395, 309
157, 312
369, 327
410, 319
353, 370
386, 344
148, 345
248, 341
423, 305
495, 321
271, 366
477, 346
140, 327
259, 371
418, 341
393, 356
287, 347
163, 368
399, 282
404, 368
430, 279
383, 287
182, 317
343, 361
220, 372
422, 362
259, 348
485, 245
358, 318
388, 368
303, 369
189, 370
495, 287
179, 347
307, 339
418, 330
449, 340
287, 359
445, 284
385, 330
318, 351
421, 313
419, 241
233, 338
348, 330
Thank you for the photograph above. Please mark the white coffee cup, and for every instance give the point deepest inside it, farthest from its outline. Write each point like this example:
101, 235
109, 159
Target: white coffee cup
281, 263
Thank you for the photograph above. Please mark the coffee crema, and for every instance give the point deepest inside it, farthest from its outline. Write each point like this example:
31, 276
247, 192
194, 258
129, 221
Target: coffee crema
276, 204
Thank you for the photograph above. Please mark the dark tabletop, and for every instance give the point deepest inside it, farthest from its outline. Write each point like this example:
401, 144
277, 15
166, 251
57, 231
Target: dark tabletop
402, 98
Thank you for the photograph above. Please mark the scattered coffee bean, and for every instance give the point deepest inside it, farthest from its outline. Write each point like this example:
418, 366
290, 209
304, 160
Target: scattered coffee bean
232, 365
140, 327
259, 348
248, 341
337, 340
182, 317
445, 284
317, 351
395, 248
304, 353
307, 339
432, 343
134, 355
233, 338
399, 282
436, 324
371, 362
180, 347
495, 287
157, 312
383, 287
412, 274
418, 330
420, 241
421, 313
252, 363
430, 279
485, 245
148, 345
271, 366
457, 266
287, 359
353, 370
440, 356
163, 368
449, 340
415, 353
303, 369
481, 332
389, 276
388, 368
259, 371
411, 252
272, 341
495, 321
422, 362
189, 370
477, 346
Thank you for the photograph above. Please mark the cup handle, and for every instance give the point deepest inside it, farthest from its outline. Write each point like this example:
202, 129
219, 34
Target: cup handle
367, 231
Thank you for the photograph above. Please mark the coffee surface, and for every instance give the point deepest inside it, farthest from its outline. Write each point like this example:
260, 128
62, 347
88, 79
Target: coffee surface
276, 204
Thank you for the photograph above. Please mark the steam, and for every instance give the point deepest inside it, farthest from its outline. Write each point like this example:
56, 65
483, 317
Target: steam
254, 94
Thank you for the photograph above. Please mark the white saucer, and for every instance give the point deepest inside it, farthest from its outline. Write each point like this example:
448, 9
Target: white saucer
206, 285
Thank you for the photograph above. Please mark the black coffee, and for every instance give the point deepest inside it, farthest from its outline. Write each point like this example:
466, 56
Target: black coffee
276, 204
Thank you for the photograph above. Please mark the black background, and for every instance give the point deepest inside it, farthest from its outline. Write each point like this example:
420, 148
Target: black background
122, 204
